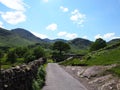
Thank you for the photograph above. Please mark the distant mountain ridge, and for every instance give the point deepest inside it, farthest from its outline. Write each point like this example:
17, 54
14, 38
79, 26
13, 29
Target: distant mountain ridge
8, 38
26, 35
22, 37
81, 43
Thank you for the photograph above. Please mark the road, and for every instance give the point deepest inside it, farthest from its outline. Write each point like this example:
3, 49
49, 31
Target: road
58, 79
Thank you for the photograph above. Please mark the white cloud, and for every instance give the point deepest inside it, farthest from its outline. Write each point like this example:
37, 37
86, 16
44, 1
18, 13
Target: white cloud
62, 33
116, 37
64, 9
67, 35
42, 36
13, 17
71, 35
45, 1
1, 24
16, 15
78, 17
52, 27
107, 36
85, 37
18, 5
98, 36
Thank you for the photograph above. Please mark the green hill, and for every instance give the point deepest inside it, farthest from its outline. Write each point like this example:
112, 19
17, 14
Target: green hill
80, 43
7, 38
106, 56
26, 35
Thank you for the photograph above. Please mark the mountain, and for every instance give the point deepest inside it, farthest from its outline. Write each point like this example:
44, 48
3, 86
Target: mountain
114, 41
80, 43
22, 37
26, 35
8, 38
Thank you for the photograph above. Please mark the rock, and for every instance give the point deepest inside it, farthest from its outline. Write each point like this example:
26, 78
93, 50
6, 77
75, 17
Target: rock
20, 77
110, 85
101, 79
93, 71
118, 85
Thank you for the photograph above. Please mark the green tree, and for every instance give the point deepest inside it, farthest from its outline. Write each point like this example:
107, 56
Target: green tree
59, 48
28, 57
98, 44
12, 56
20, 51
38, 52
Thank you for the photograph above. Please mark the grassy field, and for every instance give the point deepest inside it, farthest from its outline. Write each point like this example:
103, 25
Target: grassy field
107, 56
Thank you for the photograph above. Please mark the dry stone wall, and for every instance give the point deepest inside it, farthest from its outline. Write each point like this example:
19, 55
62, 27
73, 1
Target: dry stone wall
20, 77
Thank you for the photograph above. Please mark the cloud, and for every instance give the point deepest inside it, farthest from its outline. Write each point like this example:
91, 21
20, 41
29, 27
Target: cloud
67, 35
42, 36
16, 14
78, 17
1, 24
13, 17
52, 27
62, 33
18, 5
107, 36
45, 1
85, 37
98, 36
64, 9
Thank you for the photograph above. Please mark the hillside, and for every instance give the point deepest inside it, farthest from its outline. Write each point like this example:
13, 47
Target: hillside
113, 41
7, 38
22, 37
106, 56
26, 35
81, 43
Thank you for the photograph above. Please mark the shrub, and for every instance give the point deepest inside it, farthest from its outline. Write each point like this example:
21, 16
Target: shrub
12, 56
29, 57
38, 52
98, 44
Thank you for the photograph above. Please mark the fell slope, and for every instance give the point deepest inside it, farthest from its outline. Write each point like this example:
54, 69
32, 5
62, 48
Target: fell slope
7, 38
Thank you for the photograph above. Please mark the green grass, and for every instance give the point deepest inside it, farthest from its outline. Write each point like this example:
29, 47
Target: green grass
105, 57
115, 70
73, 62
108, 56
50, 61
39, 82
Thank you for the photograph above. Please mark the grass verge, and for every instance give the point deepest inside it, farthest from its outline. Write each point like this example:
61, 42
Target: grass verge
39, 82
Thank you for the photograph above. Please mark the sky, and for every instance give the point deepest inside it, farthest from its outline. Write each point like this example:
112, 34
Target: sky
65, 19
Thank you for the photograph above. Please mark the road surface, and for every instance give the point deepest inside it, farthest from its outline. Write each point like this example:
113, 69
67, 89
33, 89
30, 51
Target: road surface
58, 79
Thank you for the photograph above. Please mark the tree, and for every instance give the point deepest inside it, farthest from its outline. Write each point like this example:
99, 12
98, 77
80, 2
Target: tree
12, 56
20, 51
59, 48
28, 57
98, 44
38, 52
1, 55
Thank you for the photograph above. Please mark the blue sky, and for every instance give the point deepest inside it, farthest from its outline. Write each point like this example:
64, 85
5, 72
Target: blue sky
66, 19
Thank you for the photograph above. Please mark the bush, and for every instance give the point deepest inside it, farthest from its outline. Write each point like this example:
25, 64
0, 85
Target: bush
39, 82
20, 51
98, 44
12, 56
29, 57
38, 52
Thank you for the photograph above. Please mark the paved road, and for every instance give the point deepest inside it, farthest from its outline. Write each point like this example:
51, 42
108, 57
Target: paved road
58, 79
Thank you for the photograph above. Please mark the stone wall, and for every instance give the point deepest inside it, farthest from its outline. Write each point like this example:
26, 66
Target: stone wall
20, 77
